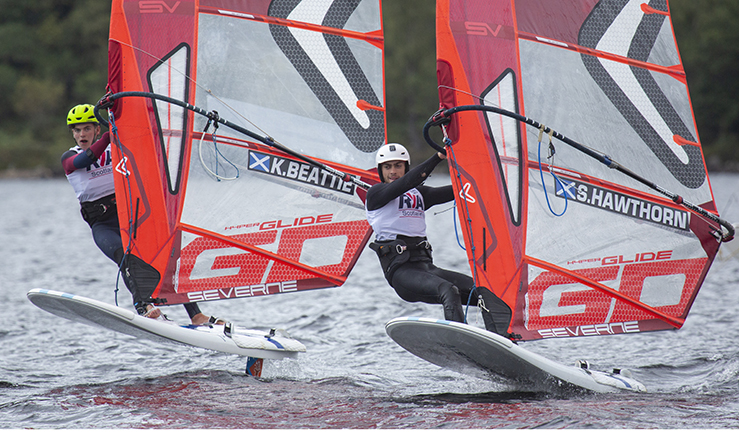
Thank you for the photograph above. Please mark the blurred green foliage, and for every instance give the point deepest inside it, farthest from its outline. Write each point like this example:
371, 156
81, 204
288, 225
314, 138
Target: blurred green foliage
707, 33
53, 55
410, 71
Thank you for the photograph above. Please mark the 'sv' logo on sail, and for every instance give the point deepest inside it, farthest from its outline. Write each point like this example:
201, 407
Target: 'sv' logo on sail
481, 29
156, 6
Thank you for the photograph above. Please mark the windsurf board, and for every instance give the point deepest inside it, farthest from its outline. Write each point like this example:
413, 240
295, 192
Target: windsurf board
225, 338
474, 351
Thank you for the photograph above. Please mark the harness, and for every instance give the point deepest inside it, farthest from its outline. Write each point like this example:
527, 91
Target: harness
99, 210
403, 249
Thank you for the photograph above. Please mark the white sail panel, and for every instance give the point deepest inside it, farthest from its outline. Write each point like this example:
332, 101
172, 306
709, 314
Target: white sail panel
569, 86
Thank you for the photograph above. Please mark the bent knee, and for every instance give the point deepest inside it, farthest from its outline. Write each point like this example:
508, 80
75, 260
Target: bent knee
448, 291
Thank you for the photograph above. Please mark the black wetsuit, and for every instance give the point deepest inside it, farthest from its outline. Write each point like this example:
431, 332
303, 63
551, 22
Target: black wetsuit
407, 260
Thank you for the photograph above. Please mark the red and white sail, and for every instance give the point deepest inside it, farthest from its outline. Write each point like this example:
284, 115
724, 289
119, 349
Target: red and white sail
215, 212
622, 257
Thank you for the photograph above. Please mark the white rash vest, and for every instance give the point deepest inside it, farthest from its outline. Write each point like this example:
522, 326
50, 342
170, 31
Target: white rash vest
95, 181
404, 215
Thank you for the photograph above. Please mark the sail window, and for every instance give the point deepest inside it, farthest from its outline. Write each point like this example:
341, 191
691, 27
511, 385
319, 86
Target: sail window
504, 132
169, 78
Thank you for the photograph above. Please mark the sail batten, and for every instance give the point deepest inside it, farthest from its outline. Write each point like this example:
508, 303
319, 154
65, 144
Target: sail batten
373, 36
675, 71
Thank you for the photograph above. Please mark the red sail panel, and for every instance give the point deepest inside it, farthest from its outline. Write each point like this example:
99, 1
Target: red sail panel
478, 167
594, 251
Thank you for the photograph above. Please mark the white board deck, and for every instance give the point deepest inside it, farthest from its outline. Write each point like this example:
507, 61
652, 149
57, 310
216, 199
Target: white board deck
251, 343
471, 350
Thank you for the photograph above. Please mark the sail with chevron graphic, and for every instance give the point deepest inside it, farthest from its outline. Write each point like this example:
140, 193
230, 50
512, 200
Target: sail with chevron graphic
274, 203
576, 159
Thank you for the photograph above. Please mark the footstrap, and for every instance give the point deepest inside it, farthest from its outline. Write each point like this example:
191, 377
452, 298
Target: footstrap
141, 308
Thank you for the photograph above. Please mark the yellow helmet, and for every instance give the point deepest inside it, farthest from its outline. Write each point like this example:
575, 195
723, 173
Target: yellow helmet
83, 113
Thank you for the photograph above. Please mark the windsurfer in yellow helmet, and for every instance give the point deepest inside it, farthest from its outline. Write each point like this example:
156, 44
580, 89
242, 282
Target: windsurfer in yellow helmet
89, 169
396, 211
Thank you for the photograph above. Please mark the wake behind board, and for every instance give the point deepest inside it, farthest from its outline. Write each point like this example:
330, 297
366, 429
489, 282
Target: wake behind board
474, 351
252, 343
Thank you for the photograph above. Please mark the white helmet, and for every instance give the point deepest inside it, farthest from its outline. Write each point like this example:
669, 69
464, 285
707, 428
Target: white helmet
391, 152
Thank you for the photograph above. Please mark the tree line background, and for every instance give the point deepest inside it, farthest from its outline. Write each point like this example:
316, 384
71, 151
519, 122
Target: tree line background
53, 55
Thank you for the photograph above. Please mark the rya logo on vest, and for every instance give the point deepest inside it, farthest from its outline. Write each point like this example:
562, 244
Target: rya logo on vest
410, 200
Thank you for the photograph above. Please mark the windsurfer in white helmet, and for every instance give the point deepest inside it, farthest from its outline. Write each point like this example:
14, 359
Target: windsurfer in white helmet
89, 168
396, 211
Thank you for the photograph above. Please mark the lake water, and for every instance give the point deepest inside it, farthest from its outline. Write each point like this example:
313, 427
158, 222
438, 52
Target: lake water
58, 374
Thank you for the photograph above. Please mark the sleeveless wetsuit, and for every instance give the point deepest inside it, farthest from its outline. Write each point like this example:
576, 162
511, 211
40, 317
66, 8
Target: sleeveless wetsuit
396, 212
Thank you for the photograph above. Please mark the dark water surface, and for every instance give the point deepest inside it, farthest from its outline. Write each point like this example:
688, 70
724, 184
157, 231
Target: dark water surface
58, 374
